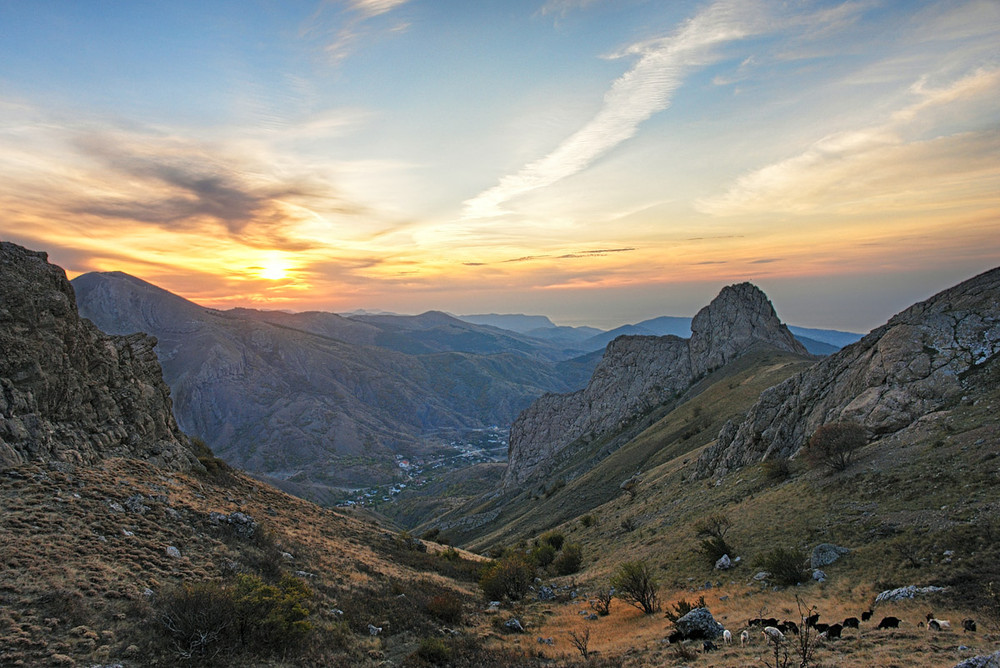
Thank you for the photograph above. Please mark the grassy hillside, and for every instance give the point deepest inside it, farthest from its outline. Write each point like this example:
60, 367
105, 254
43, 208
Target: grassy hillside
591, 473
915, 508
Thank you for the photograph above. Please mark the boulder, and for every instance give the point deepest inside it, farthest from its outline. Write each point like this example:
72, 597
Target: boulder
825, 554
699, 623
818, 575
514, 624
985, 661
724, 563
905, 593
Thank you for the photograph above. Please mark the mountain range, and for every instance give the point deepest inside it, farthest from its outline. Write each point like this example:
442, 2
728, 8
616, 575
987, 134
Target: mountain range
126, 541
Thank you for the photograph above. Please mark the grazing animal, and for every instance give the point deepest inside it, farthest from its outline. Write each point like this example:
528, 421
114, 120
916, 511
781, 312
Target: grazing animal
675, 637
851, 623
773, 634
755, 622
374, 630
744, 638
788, 626
834, 631
889, 623
934, 624
968, 625
811, 620
708, 646
867, 614
770, 621
727, 636
821, 627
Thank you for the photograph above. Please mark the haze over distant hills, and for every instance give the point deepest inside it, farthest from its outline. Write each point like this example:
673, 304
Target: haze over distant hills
319, 398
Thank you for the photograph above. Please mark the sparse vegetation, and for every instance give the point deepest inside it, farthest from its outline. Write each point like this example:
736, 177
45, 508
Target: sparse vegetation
682, 607
636, 584
569, 560
834, 445
446, 607
205, 620
508, 577
601, 603
786, 566
580, 641
588, 521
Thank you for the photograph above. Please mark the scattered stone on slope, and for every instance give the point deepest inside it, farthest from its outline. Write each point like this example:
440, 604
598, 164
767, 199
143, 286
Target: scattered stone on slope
69, 392
906, 593
986, 661
909, 367
825, 554
699, 623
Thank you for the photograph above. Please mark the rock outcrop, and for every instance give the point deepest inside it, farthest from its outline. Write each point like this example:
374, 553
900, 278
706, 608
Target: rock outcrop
911, 366
639, 373
69, 392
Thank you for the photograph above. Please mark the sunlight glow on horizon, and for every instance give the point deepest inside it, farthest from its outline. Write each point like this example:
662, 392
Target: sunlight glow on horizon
602, 164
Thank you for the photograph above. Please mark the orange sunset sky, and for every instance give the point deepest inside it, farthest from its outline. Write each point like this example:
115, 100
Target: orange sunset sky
598, 162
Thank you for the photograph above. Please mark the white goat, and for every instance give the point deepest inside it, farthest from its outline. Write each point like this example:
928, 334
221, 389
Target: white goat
937, 624
744, 638
727, 636
773, 634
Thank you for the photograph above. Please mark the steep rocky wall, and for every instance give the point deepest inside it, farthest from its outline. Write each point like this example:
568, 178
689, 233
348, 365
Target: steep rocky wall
907, 368
641, 372
636, 374
68, 392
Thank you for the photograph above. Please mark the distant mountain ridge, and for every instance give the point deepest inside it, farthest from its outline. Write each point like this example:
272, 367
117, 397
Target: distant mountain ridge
638, 373
313, 394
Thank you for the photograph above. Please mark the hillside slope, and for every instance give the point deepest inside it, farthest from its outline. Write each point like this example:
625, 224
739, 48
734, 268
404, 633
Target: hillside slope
911, 366
290, 395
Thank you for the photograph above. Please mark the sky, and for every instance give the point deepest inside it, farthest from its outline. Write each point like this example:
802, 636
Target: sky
597, 161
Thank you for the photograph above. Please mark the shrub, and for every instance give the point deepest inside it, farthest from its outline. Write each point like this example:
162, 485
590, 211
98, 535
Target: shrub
555, 539
434, 651
602, 602
543, 555
635, 583
786, 566
588, 521
833, 445
508, 577
682, 607
208, 619
446, 607
777, 469
569, 560
713, 548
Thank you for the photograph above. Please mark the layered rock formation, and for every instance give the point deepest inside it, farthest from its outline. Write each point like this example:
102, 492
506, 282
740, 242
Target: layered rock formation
640, 372
901, 371
68, 392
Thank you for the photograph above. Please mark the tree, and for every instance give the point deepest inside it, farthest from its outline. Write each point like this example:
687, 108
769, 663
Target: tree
712, 532
833, 445
635, 583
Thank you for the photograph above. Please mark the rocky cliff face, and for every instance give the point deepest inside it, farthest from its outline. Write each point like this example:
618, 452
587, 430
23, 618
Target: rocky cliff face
641, 372
68, 392
909, 367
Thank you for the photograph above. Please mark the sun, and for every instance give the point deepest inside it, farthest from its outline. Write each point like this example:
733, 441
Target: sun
274, 268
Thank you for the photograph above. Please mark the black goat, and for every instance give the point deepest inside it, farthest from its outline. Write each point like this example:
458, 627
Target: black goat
851, 623
834, 631
708, 646
867, 614
889, 623
788, 626
968, 625
812, 619
820, 627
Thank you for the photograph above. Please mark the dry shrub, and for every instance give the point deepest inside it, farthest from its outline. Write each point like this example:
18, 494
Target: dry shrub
446, 607
508, 577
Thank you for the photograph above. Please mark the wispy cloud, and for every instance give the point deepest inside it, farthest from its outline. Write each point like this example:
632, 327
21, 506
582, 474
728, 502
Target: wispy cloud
906, 161
642, 91
341, 41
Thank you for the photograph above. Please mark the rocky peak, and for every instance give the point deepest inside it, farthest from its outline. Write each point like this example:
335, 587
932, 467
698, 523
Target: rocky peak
739, 318
637, 374
914, 364
69, 392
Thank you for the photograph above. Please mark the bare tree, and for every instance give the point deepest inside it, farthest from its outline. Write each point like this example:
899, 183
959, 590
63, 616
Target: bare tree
581, 641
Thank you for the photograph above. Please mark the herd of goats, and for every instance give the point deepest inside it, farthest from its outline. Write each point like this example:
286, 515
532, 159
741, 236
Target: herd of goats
775, 631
